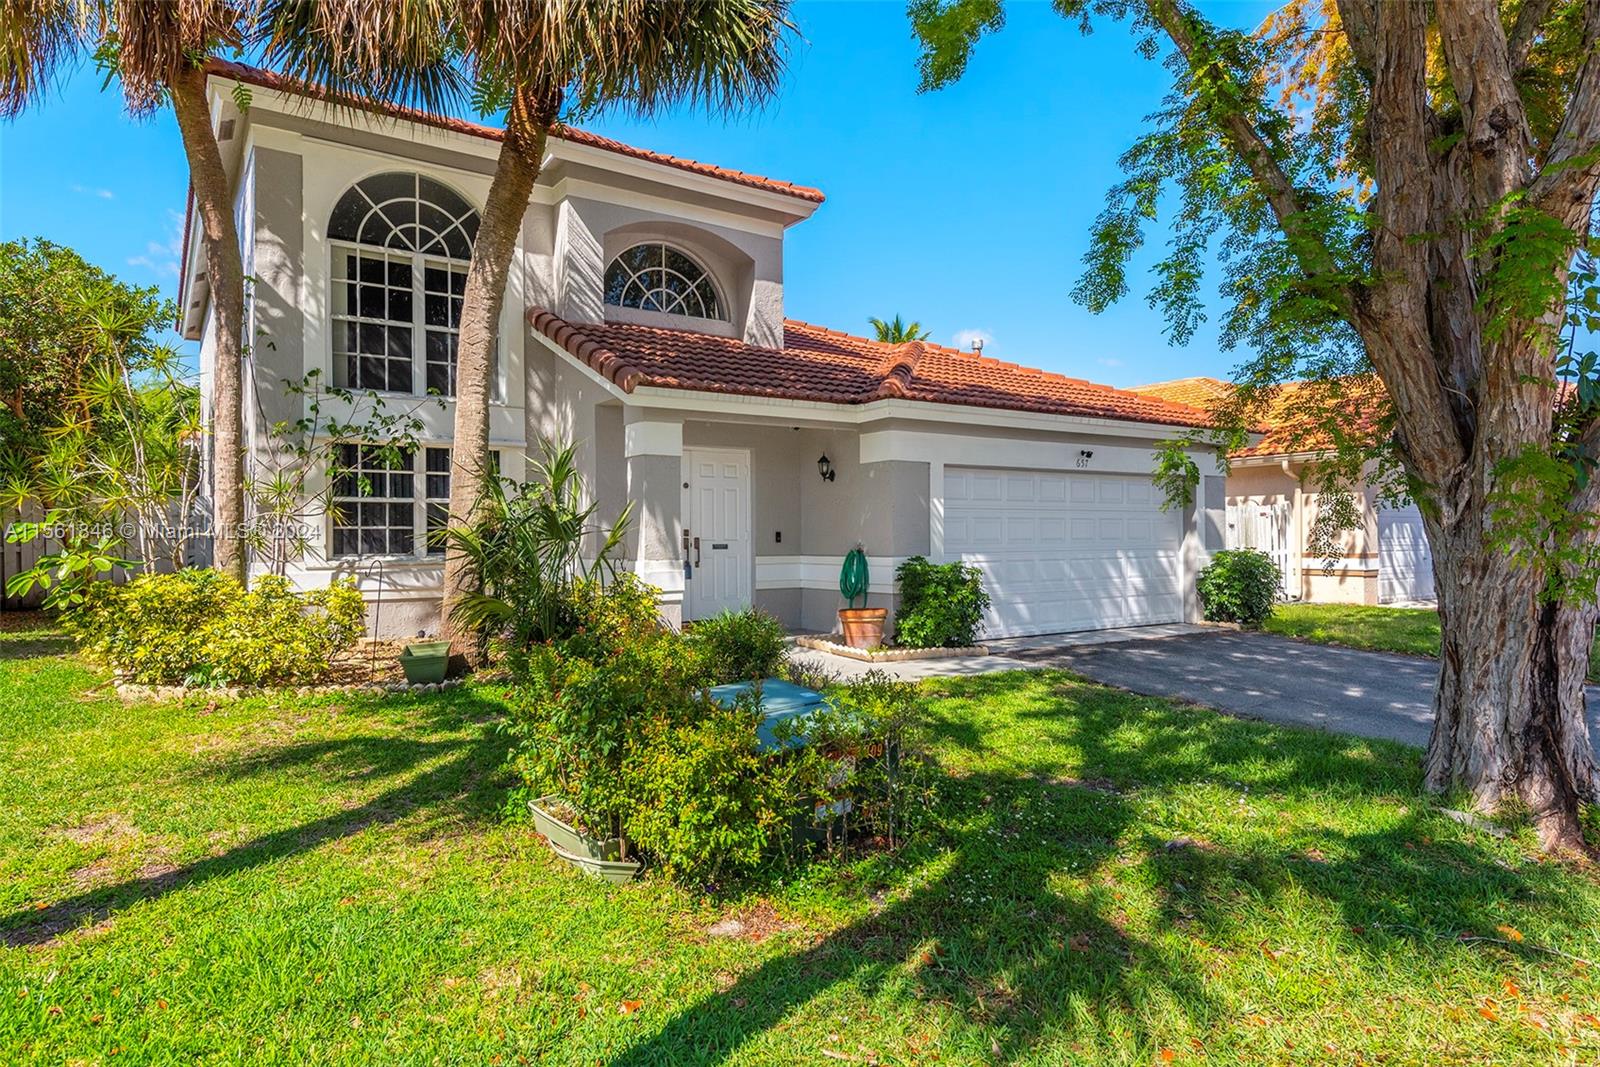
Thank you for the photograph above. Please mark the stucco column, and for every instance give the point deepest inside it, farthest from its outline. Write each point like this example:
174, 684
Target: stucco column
653, 458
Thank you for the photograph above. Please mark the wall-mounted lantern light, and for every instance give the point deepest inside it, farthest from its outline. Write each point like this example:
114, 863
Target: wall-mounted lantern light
825, 468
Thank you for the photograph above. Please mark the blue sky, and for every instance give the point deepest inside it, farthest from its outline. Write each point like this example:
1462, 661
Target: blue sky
967, 209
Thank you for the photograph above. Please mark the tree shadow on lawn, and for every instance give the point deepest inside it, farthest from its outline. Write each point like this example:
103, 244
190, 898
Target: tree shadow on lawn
33, 644
461, 789
1023, 928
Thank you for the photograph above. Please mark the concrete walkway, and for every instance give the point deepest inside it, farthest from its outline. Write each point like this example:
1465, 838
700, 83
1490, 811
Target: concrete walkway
1004, 655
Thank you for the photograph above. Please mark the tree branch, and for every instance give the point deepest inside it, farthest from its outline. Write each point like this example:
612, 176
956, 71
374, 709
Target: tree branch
1495, 123
1393, 319
1530, 17
1357, 16
1565, 186
1253, 151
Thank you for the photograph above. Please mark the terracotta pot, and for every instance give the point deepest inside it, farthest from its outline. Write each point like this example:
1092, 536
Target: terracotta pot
863, 627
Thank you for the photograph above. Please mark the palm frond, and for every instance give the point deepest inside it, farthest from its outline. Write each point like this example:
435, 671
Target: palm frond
637, 55
38, 39
151, 42
403, 52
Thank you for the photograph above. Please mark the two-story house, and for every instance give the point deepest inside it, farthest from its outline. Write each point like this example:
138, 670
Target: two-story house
645, 320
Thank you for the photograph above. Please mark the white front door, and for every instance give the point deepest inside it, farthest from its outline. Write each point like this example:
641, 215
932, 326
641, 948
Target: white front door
1064, 551
717, 523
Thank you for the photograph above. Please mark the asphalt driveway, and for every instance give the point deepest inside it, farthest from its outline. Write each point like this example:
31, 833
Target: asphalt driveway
1370, 694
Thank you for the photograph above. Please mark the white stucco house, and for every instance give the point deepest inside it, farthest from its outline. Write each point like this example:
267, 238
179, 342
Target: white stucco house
645, 320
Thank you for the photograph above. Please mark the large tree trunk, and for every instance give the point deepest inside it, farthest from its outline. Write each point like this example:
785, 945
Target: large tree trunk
516, 170
225, 277
1509, 722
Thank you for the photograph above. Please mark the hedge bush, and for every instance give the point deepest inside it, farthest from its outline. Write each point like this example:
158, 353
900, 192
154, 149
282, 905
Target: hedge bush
200, 627
740, 646
1240, 585
708, 800
615, 724
941, 604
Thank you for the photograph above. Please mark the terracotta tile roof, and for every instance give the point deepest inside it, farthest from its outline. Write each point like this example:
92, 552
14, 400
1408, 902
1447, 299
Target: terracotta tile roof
825, 365
269, 80
1202, 393
1293, 420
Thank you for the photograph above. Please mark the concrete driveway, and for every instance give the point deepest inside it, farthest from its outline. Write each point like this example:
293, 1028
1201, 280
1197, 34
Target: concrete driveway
1370, 694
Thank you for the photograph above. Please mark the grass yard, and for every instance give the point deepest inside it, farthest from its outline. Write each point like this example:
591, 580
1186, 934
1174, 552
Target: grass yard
1113, 879
1410, 630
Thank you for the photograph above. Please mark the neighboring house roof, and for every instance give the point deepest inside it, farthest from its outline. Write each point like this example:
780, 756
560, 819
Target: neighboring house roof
1293, 423
1202, 393
827, 366
269, 80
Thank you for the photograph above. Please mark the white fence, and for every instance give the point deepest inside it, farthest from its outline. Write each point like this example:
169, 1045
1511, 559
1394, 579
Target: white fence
1268, 526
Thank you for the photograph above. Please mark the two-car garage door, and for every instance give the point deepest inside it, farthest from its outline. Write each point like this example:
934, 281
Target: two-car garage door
1063, 551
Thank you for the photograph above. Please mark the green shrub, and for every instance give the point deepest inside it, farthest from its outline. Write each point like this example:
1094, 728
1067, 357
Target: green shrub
740, 646
1240, 585
585, 703
199, 627
709, 801
615, 725
865, 748
530, 546
941, 604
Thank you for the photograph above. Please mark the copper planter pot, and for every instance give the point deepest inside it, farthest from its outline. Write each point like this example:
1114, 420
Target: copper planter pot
863, 627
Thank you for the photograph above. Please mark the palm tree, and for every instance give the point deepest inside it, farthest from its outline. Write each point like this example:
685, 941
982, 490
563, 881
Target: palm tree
157, 49
896, 332
536, 60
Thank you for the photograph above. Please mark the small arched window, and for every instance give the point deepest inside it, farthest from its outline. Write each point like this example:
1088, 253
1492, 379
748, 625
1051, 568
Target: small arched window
401, 247
659, 277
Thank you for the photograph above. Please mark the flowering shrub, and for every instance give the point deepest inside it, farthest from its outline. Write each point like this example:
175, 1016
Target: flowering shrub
200, 627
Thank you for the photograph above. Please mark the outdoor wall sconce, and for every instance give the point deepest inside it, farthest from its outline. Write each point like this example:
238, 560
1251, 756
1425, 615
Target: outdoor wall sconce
825, 468
1087, 453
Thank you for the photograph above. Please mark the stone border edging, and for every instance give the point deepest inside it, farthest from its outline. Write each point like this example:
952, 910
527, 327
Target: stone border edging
888, 655
134, 691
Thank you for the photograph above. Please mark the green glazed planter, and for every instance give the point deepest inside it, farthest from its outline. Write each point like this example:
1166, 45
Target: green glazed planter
425, 661
594, 856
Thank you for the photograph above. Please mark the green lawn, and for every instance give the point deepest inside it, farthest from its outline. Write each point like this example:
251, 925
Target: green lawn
1410, 630
1112, 879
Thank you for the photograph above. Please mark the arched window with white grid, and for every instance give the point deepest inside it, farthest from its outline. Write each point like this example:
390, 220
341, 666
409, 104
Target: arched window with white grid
401, 244
655, 276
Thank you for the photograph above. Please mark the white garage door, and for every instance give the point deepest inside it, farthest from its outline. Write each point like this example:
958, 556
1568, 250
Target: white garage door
1405, 564
1065, 551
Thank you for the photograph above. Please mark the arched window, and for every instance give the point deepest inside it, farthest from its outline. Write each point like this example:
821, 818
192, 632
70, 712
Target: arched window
401, 245
659, 277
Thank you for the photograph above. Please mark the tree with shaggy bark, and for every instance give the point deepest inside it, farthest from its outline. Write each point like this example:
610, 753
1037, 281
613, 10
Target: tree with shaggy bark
539, 63
1402, 190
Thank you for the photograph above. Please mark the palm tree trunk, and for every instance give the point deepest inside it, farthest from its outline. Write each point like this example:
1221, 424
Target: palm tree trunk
225, 275
516, 170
